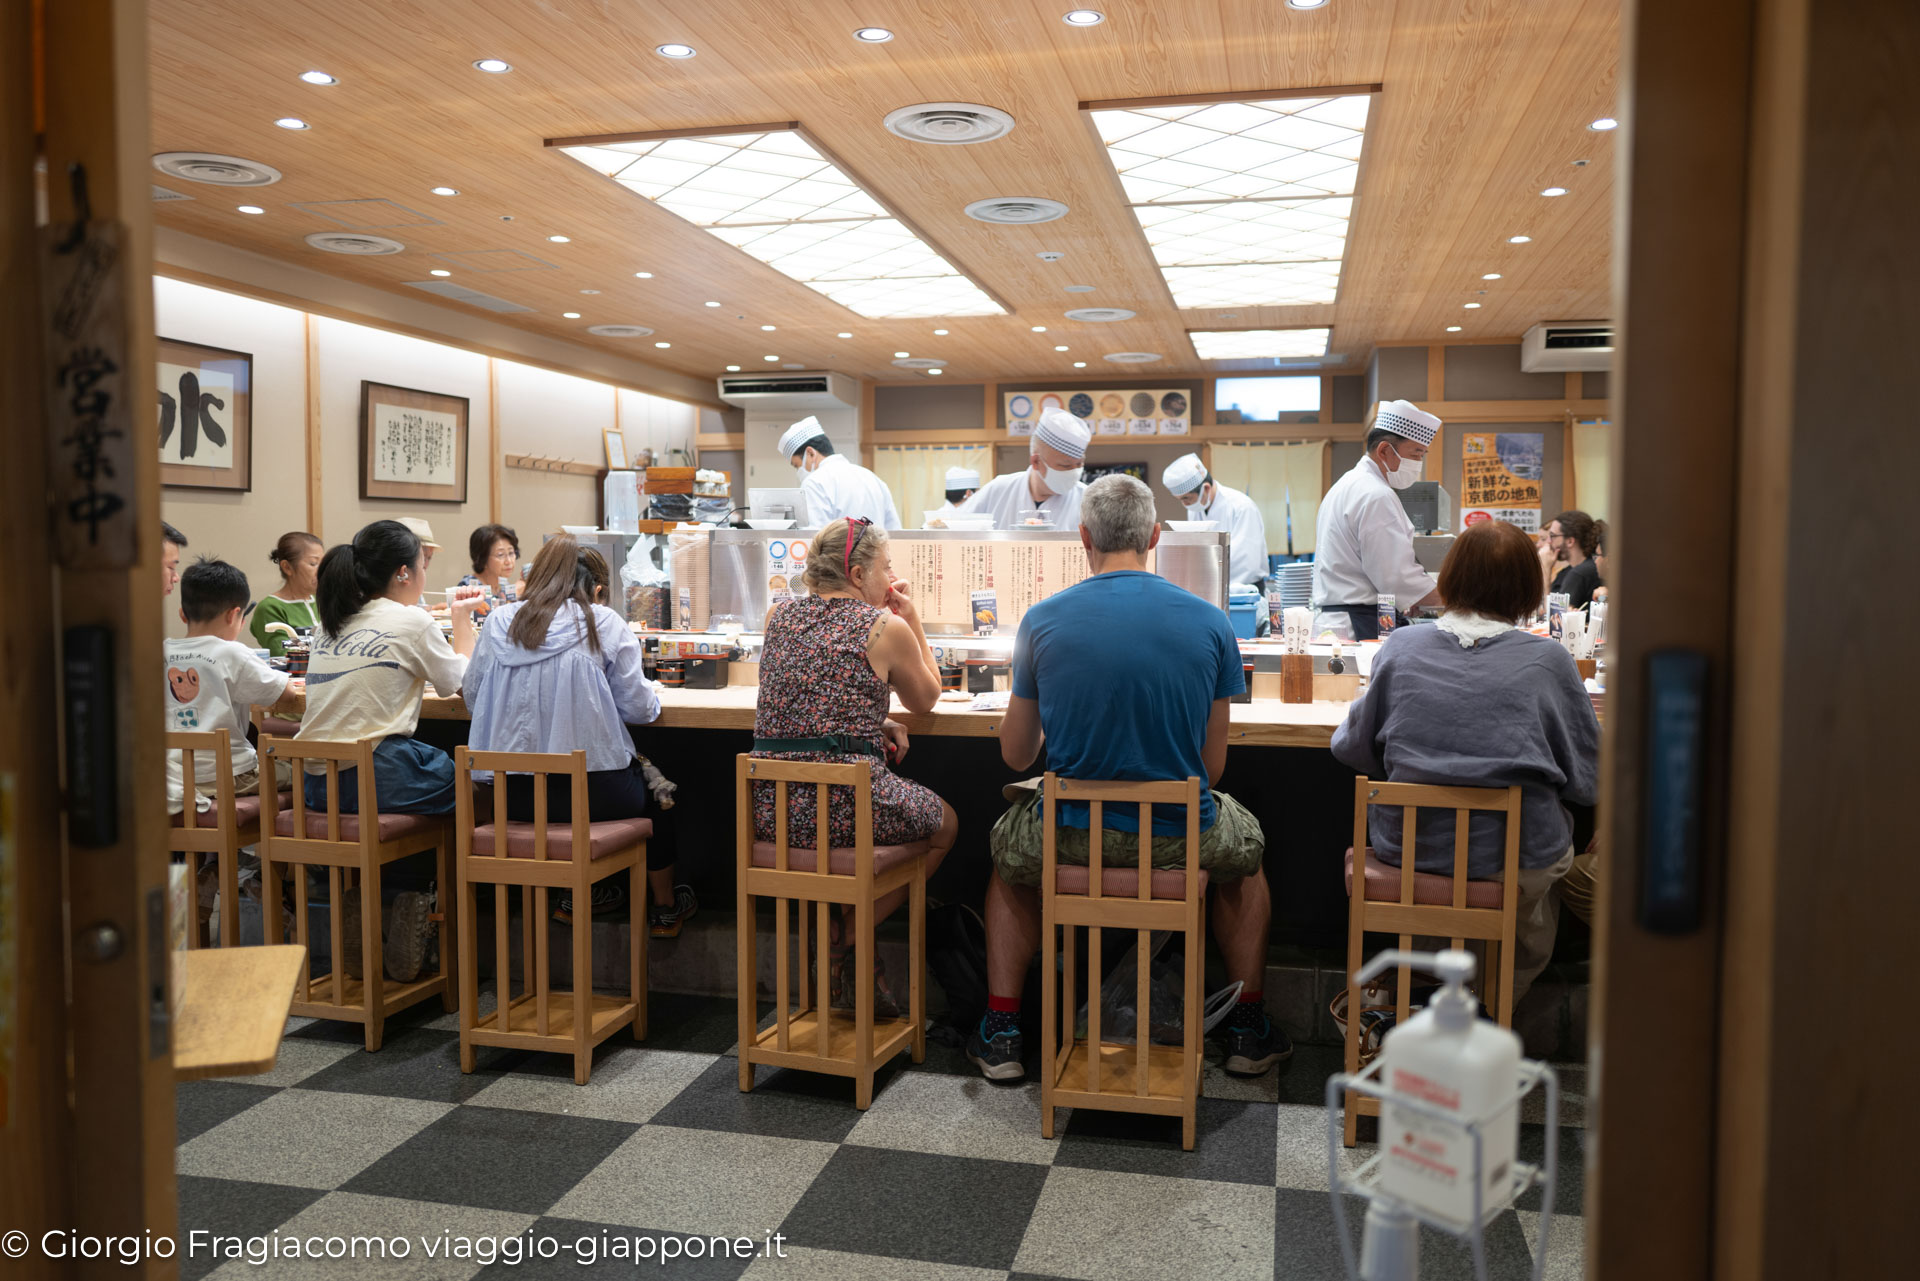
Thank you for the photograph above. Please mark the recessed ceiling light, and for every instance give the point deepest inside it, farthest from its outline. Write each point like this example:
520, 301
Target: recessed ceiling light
1083, 17
712, 303
845, 335
1079, 289
733, 369
873, 35
901, 355
1453, 329
940, 333
570, 315
291, 122
439, 271
589, 291
935, 371
494, 66
1519, 240
1079, 364
1039, 329
1059, 348
675, 50
446, 191
1492, 275
663, 344
1471, 306
770, 358
643, 275
1306, 4
560, 240
1603, 124
251, 209
1553, 191
318, 78
766, 329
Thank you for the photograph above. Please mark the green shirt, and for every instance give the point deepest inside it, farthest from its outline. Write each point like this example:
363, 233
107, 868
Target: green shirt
271, 609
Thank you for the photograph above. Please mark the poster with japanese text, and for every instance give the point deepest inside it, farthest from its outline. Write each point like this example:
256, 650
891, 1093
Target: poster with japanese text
413, 444
1109, 413
1500, 477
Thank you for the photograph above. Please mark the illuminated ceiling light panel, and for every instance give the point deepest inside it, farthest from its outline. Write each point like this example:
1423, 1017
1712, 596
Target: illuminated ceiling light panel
1255, 344
773, 196
1242, 203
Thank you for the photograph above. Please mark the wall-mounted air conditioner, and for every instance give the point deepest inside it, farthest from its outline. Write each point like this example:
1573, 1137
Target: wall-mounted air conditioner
1560, 346
802, 391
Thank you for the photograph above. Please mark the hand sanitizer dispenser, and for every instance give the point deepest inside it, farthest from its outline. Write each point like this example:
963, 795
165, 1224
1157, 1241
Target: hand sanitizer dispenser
1448, 1058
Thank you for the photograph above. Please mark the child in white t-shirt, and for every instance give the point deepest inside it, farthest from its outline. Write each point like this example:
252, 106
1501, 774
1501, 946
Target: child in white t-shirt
213, 682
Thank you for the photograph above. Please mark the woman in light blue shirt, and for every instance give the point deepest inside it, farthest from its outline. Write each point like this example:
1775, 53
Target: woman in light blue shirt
556, 672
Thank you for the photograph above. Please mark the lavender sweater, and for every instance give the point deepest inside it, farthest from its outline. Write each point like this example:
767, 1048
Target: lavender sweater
1509, 710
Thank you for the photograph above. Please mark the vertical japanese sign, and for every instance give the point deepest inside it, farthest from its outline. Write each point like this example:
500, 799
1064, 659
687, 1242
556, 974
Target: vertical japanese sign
1500, 477
91, 469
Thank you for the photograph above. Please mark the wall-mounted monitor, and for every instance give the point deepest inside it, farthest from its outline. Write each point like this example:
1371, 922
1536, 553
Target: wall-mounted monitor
1265, 400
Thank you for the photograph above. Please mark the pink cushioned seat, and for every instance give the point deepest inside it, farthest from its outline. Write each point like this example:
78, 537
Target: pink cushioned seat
392, 826
604, 839
840, 862
246, 812
1383, 886
1124, 882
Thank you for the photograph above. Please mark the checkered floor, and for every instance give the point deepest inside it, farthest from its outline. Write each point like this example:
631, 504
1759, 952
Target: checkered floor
945, 1177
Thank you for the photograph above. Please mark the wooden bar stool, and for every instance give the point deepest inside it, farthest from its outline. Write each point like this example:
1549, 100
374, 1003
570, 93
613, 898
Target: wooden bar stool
856, 877
1142, 1077
1406, 902
539, 856
232, 823
353, 848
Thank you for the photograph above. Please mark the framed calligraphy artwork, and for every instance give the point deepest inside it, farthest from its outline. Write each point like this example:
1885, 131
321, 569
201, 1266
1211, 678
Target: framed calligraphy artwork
413, 444
206, 416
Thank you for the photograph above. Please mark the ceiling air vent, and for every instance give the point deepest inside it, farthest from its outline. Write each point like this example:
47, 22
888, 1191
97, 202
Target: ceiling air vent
347, 242
218, 170
949, 123
1016, 209
918, 362
1099, 315
620, 331
1565, 346
162, 195
1133, 357
472, 297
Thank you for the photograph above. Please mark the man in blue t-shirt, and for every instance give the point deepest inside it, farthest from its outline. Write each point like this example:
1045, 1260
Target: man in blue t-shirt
1124, 676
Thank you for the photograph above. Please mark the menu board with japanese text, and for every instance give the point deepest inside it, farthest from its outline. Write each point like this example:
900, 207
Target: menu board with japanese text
944, 574
1165, 412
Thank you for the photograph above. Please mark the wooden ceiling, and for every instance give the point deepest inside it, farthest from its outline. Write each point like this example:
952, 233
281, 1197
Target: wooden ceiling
1483, 104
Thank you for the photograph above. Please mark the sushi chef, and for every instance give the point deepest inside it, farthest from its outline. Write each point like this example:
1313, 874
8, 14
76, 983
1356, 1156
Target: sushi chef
1205, 498
962, 483
1365, 540
834, 485
1052, 483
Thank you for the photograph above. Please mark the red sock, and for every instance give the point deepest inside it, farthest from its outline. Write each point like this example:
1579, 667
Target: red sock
1250, 996
1003, 1004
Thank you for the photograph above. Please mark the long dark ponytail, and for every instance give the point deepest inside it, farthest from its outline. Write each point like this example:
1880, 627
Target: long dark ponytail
555, 579
354, 573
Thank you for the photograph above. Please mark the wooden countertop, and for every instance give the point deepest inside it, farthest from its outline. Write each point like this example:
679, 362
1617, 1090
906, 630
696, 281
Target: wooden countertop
1261, 723
233, 1008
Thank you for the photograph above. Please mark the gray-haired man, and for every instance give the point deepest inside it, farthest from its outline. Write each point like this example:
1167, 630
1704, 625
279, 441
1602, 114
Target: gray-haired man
1125, 676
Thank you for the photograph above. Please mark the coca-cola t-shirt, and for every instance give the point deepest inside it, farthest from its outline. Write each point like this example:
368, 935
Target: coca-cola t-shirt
366, 681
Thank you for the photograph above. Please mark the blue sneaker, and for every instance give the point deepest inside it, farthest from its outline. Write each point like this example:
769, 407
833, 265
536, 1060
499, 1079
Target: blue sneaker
995, 1047
1254, 1042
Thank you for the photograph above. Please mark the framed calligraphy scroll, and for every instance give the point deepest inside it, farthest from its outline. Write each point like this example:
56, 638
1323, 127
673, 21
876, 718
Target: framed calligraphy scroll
206, 416
413, 444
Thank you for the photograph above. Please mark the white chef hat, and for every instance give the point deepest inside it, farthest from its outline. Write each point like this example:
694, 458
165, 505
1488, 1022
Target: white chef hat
962, 478
1408, 421
1058, 429
1184, 474
795, 438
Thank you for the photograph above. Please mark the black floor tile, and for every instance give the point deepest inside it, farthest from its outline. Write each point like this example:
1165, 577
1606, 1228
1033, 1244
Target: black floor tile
908, 1205
597, 1249
198, 1106
1306, 1246
1233, 1143
783, 1104
1303, 1077
1571, 1185
494, 1158
699, 1024
416, 1063
229, 1208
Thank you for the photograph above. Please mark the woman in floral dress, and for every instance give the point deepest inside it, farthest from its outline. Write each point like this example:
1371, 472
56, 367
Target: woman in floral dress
831, 659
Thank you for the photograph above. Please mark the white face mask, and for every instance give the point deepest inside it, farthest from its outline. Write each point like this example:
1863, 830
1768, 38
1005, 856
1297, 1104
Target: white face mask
1193, 503
1060, 482
1409, 473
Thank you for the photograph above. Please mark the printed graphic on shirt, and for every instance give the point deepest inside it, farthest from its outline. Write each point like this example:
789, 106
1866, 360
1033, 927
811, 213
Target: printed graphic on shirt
184, 684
